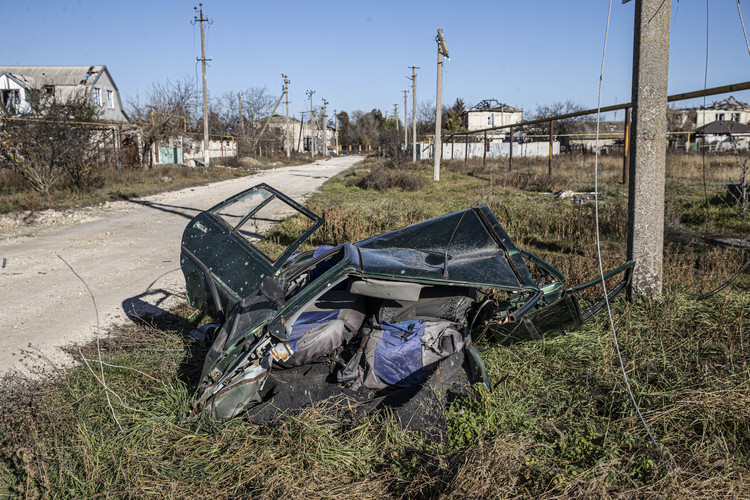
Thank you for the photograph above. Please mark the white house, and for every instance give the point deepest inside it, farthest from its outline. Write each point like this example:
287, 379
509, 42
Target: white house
729, 109
492, 113
63, 82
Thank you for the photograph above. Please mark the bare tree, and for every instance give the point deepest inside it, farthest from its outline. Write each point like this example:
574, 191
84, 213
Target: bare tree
257, 105
168, 111
52, 141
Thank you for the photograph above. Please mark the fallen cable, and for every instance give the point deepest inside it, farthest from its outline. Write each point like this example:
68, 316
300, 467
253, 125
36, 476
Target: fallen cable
98, 347
599, 249
726, 283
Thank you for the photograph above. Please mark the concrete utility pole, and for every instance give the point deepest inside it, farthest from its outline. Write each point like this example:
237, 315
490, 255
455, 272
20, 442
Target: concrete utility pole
406, 123
288, 130
301, 125
312, 125
649, 145
336, 131
324, 127
395, 114
202, 59
242, 123
437, 152
414, 114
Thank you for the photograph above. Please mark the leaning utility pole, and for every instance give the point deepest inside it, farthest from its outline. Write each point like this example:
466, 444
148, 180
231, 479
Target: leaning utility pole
414, 114
324, 126
288, 131
437, 152
406, 123
312, 125
203, 59
649, 145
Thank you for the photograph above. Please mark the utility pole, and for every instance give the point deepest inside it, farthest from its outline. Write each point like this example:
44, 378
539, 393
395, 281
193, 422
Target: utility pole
288, 131
324, 126
336, 130
312, 125
301, 124
395, 114
414, 114
406, 123
242, 124
649, 127
202, 59
437, 152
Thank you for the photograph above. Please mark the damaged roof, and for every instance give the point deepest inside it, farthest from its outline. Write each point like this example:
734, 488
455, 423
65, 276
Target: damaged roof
58, 75
494, 105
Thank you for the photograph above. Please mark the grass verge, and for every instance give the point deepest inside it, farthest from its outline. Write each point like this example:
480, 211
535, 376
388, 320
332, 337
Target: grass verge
557, 422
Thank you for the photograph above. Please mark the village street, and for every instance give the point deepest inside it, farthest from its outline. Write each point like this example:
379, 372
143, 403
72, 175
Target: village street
119, 249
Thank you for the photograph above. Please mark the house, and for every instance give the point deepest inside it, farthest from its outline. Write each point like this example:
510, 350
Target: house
581, 136
17, 83
492, 113
724, 134
729, 109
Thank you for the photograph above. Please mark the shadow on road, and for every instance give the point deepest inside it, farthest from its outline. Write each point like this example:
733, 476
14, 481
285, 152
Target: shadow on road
172, 209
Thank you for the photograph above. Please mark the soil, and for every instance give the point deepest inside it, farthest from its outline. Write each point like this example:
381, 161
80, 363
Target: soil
127, 252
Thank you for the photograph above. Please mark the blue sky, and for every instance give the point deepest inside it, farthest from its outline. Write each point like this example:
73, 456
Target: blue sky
356, 54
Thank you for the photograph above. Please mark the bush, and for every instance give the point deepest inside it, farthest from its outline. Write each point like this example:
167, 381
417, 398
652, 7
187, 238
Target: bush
390, 174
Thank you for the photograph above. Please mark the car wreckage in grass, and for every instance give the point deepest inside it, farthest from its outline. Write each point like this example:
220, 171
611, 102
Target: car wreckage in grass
368, 320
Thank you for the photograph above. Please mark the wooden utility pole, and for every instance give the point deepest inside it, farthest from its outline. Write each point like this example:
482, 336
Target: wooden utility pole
406, 123
414, 114
202, 59
324, 128
312, 125
438, 151
551, 135
288, 130
649, 145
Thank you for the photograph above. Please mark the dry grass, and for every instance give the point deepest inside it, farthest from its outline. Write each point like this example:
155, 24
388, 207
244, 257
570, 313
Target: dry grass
556, 424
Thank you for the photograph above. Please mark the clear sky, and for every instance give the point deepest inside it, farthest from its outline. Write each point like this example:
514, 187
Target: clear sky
356, 54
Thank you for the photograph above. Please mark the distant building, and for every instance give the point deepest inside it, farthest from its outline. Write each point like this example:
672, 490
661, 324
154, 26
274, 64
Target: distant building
724, 134
492, 113
581, 136
729, 110
17, 83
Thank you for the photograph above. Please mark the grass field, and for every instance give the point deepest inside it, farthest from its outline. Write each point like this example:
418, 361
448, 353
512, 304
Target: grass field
557, 422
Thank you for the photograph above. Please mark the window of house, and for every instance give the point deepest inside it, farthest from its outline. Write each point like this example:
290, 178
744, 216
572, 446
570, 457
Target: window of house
97, 96
48, 91
10, 99
110, 99
679, 119
735, 117
491, 121
719, 116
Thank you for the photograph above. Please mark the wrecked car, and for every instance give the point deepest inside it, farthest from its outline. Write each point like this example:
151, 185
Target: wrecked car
373, 320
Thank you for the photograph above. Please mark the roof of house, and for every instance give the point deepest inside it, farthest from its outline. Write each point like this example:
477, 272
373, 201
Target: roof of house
57, 75
589, 127
494, 105
724, 127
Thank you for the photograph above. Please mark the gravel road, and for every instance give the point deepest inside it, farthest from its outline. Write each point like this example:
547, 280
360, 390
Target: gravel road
119, 249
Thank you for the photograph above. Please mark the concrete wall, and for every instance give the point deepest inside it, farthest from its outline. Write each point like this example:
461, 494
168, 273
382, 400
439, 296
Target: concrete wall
476, 120
458, 151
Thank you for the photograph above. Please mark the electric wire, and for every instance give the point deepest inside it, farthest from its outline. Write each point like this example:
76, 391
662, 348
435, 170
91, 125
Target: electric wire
599, 250
726, 283
703, 148
742, 23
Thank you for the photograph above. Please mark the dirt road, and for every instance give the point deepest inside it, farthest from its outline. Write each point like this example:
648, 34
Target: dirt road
119, 249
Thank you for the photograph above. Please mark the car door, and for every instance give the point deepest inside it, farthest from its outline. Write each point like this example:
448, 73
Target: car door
228, 249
